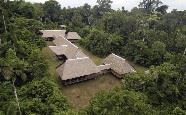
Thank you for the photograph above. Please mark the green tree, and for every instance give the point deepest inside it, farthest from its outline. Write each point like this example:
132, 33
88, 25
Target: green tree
27, 10
179, 111
42, 97
14, 70
165, 80
120, 103
102, 7
98, 42
52, 10
150, 5
158, 53
86, 12
162, 9
2, 12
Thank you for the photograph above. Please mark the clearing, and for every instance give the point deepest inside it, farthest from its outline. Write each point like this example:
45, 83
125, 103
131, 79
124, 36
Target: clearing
80, 94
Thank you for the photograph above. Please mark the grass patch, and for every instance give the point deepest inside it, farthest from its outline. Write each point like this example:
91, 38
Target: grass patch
52, 61
97, 60
80, 94
137, 67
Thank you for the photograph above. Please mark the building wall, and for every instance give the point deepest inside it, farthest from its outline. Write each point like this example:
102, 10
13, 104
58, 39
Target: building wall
79, 79
116, 74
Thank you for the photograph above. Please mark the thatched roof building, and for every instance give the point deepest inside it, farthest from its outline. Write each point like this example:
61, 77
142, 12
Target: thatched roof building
119, 66
80, 54
60, 40
59, 50
71, 36
65, 47
52, 33
104, 67
70, 52
76, 68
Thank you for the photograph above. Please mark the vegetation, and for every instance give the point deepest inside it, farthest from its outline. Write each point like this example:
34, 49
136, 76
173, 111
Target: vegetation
147, 35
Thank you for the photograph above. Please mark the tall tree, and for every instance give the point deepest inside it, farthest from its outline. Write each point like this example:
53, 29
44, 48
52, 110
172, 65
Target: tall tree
13, 70
162, 9
119, 103
150, 5
2, 5
52, 10
86, 12
103, 7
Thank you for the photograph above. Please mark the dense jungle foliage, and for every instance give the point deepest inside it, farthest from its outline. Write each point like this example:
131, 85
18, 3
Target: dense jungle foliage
147, 35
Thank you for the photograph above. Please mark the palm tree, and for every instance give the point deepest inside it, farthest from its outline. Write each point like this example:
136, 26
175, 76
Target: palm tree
9, 74
12, 69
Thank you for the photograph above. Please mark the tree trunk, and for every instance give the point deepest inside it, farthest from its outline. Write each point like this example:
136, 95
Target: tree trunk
184, 52
15, 94
4, 22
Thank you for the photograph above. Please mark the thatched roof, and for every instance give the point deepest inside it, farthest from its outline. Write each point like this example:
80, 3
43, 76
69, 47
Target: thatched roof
71, 51
73, 36
65, 50
118, 64
74, 68
52, 33
60, 40
80, 54
104, 67
59, 50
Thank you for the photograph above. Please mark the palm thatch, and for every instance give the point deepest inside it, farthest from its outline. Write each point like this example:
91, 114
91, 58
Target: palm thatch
118, 65
70, 50
60, 40
104, 67
74, 68
59, 50
52, 33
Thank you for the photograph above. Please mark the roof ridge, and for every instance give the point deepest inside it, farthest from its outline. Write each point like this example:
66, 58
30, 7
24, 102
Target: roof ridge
118, 56
78, 59
59, 46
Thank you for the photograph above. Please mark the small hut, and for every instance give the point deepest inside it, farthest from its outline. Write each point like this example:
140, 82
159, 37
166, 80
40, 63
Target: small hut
50, 35
77, 70
119, 66
73, 37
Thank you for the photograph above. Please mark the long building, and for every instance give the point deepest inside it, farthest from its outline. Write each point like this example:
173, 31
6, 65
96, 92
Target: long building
79, 67
66, 49
67, 52
77, 70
